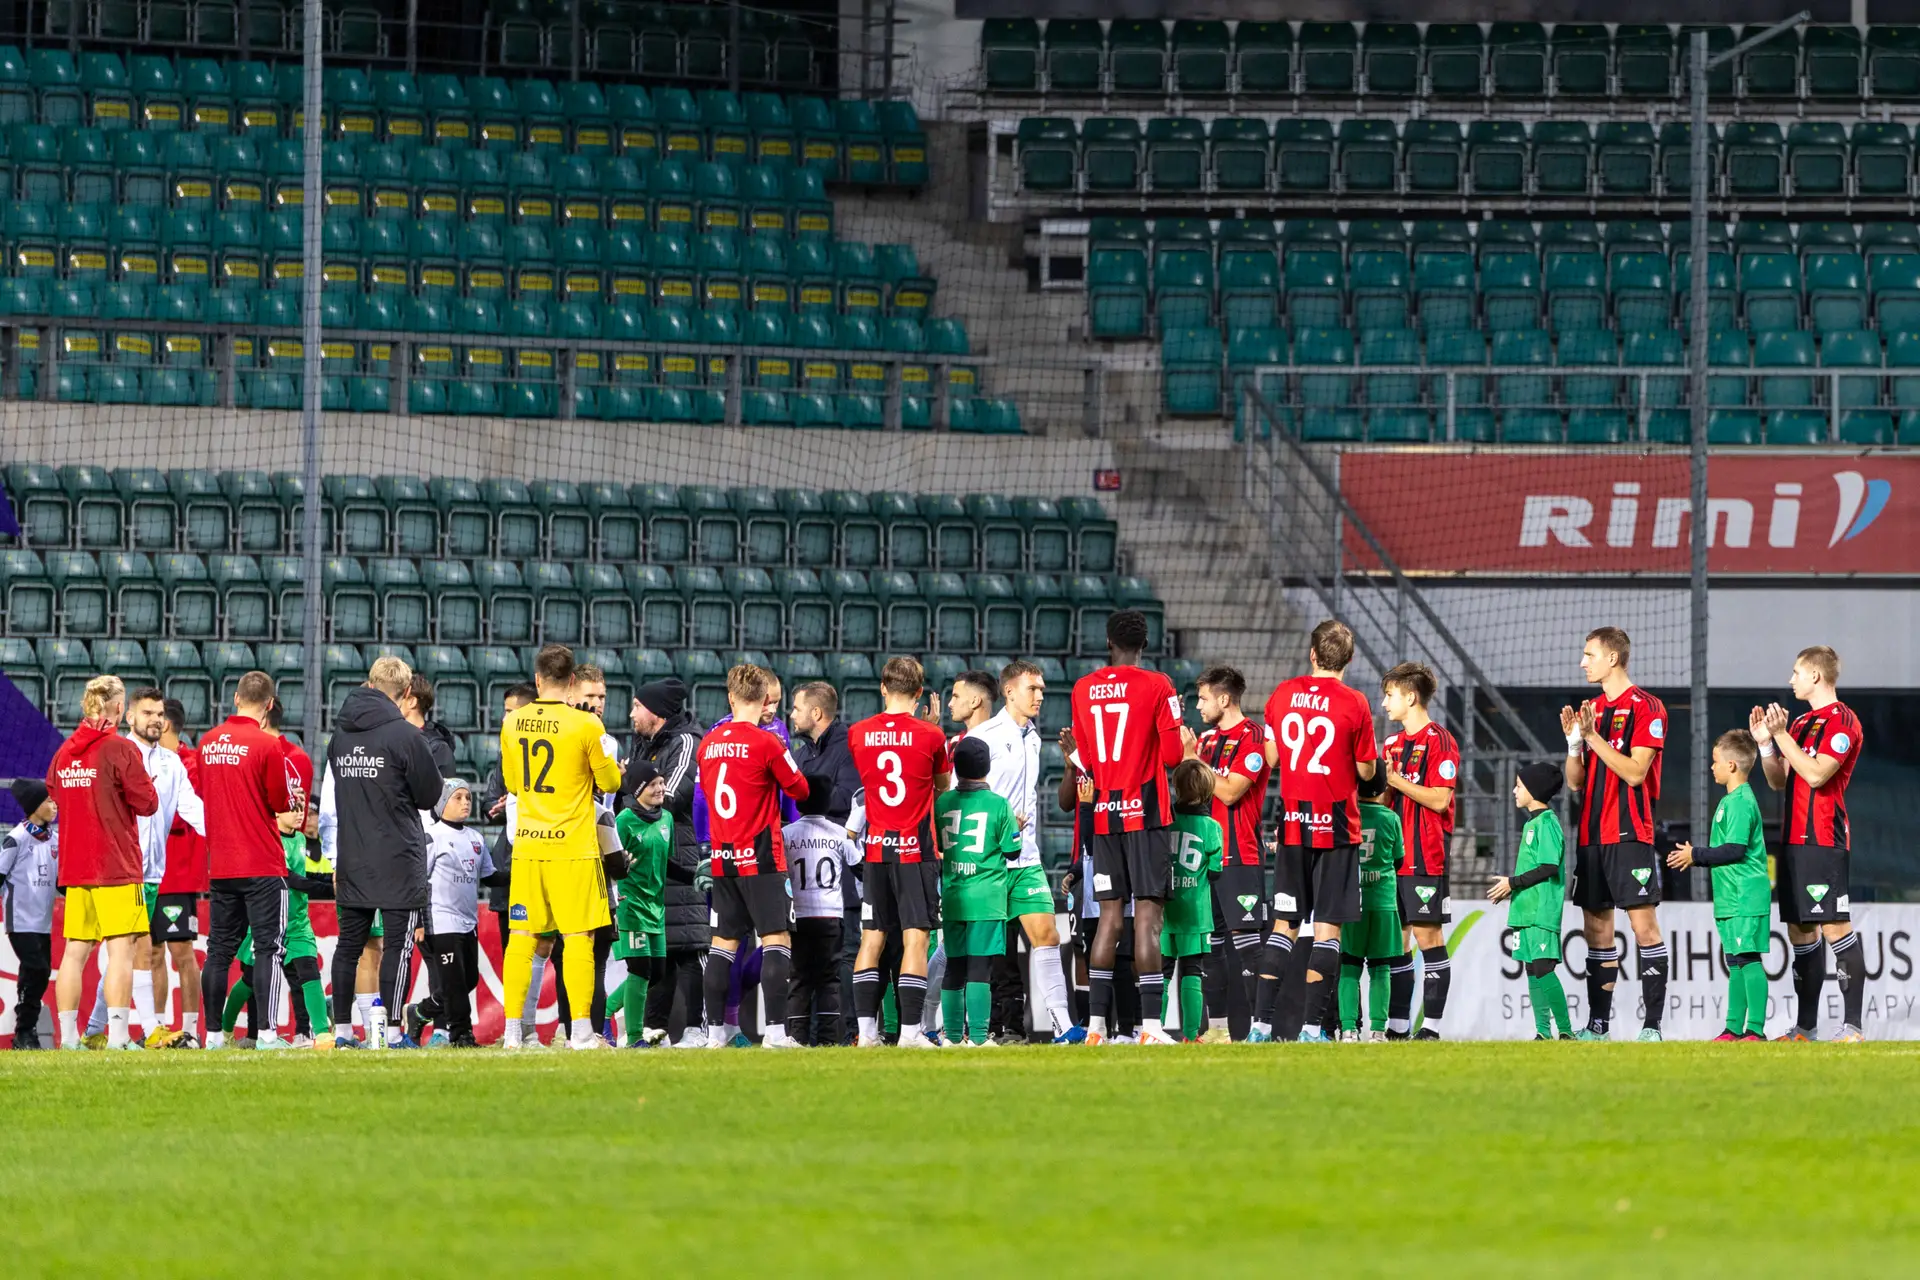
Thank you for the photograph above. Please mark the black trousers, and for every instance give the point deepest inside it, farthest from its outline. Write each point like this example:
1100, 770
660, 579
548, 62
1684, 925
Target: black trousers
813, 997
396, 958
1008, 978
602, 951
35, 951
849, 952
455, 958
675, 1000
234, 906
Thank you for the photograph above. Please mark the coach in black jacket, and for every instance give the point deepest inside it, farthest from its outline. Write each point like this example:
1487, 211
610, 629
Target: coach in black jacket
667, 737
380, 775
820, 745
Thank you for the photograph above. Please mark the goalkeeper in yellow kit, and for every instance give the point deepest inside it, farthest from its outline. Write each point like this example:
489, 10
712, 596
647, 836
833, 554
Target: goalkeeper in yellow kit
551, 758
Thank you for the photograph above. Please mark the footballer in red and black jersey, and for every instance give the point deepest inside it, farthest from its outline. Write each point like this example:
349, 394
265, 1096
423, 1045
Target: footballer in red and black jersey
1427, 757
1818, 815
1238, 752
1612, 812
1126, 727
1321, 728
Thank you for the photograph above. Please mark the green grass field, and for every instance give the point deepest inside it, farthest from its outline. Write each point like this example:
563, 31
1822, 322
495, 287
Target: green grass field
1448, 1159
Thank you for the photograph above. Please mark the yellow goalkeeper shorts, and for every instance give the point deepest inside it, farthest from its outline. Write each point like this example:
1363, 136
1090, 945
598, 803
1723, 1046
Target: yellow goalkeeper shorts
110, 911
567, 896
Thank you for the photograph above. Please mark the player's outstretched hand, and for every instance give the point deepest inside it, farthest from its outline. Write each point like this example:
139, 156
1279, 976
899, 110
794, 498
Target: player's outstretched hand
1568, 719
1189, 744
1587, 718
1500, 890
1066, 742
1681, 858
932, 713
1757, 724
1777, 719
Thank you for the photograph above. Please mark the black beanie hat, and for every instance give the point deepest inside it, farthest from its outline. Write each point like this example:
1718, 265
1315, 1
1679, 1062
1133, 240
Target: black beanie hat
1542, 780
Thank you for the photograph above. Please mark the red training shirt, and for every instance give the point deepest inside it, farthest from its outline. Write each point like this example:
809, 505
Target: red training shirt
1611, 812
243, 784
1818, 815
1126, 732
743, 770
898, 756
1429, 758
1322, 729
186, 848
1239, 752
101, 789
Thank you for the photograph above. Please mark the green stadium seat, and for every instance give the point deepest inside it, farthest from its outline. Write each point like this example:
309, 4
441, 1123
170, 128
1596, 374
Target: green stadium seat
1110, 154
1074, 55
509, 602
1434, 153
1526, 412
1755, 158
1390, 58
1239, 153
1368, 155
351, 599
1175, 155
1657, 397
1836, 291
857, 613
1857, 349
139, 603
1644, 60
1455, 57
559, 609
852, 674
1881, 156
1137, 57
1893, 62
400, 590
710, 612
1834, 61
1394, 409
1327, 399
496, 668
1047, 153
1303, 154
1202, 57
1497, 157
1117, 291
85, 607
1817, 159
1594, 416
1518, 56
1770, 291
1328, 57
1190, 360
1263, 57
1249, 285
1010, 55
809, 613
1581, 59
1182, 287
1001, 617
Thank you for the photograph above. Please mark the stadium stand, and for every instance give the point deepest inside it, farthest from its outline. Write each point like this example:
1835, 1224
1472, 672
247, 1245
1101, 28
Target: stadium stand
191, 578
1265, 194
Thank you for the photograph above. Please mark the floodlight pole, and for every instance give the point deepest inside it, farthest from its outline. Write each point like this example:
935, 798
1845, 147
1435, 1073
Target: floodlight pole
313, 132
1699, 65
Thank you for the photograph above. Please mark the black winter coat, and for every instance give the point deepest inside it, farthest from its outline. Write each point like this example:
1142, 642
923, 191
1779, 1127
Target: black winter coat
381, 773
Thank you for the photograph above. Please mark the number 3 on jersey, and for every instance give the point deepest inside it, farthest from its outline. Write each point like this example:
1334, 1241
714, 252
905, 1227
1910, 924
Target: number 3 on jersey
894, 790
1296, 731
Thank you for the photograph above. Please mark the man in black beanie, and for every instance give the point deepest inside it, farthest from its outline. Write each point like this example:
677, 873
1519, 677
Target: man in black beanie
666, 737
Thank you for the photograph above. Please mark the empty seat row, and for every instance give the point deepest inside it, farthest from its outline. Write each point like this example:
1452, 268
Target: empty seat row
854, 139
1242, 155
690, 41
145, 509
1515, 60
1442, 385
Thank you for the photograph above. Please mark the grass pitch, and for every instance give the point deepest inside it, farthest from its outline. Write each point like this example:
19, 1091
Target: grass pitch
1441, 1159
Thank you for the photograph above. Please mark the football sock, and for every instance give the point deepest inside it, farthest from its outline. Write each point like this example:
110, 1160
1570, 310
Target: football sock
1050, 987
237, 999
633, 1003
1245, 963
516, 977
315, 1001
576, 970
776, 971
97, 1019
866, 1002
1850, 967
1603, 967
344, 1031
1757, 999
1436, 982
1349, 992
1542, 1002
1153, 992
363, 1005
889, 1011
1325, 961
1100, 994
913, 999
1193, 1004
1378, 984
117, 1027
1273, 962
69, 1027
143, 999
1558, 994
1809, 976
714, 985
1653, 977
1400, 997
536, 971
979, 1010
1737, 967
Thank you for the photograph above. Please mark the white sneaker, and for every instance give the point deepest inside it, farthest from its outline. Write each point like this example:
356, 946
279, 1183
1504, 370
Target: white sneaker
868, 1042
653, 1035
777, 1038
592, 1041
1376, 1037
512, 1046
915, 1038
301, 1041
1154, 1035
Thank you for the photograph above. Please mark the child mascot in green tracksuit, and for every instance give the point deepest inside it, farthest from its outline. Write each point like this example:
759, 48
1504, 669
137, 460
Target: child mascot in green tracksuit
1535, 892
639, 914
1742, 898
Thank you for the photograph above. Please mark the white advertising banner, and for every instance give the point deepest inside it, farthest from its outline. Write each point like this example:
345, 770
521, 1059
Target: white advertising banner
1488, 997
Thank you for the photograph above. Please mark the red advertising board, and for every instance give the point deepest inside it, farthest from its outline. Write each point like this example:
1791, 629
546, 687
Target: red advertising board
1615, 513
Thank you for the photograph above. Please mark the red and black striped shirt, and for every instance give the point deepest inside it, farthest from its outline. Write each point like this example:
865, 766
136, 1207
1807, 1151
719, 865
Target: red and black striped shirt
1239, 752
1428, 757
1818, 815
1611, 812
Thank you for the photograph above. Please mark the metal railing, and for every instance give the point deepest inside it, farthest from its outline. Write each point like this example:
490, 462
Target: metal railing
1308, 520
391, 355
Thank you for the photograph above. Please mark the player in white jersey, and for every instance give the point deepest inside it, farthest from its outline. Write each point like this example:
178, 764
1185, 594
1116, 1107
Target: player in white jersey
818, 855
1013, 738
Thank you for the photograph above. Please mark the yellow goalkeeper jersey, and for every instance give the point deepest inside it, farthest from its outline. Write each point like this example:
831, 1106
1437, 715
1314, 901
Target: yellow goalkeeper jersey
551, 757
